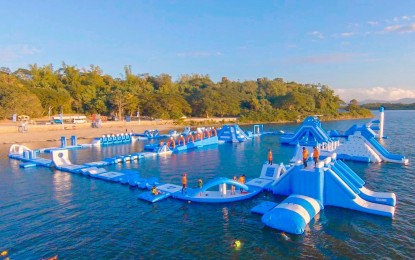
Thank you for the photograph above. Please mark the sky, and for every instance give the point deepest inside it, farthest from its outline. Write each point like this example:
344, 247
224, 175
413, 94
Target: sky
362, 49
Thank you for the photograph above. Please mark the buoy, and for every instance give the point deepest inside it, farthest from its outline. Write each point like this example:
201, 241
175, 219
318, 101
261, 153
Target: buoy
4, 253
236, 243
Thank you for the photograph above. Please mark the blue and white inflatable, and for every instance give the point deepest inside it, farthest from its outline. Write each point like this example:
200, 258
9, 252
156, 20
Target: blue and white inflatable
293, 214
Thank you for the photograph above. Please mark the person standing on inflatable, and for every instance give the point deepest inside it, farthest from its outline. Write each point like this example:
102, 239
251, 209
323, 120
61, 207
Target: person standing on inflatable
242, 180
316, 155
154, 190
233, 186
184, 182
269, 156
305, 157
200, 185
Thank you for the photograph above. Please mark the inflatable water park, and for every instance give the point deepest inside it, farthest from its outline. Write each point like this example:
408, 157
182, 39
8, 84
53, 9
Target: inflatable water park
308, 188
360, 143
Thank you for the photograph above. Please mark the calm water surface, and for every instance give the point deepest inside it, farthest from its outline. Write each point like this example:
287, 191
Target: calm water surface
45, 212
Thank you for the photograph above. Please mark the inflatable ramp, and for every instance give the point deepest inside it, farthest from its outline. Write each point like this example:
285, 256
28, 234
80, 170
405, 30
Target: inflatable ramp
61, 161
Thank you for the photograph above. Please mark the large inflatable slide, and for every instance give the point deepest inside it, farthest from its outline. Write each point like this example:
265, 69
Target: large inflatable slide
362, 145
309, 133
310, 189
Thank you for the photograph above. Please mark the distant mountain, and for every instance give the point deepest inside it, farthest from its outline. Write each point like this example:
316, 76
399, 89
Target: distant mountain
399, 101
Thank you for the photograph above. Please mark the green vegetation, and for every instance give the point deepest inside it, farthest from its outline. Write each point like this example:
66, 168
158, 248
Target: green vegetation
390, 106
39, 91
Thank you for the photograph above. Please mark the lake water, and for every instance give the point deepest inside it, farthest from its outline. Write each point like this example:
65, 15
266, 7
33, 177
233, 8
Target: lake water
45, 212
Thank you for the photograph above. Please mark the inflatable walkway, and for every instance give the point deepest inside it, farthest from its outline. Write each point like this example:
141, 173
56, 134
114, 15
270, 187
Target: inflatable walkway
27, 156
62, 162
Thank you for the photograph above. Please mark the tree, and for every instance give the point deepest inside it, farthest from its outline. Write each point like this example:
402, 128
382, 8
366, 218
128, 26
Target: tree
118, 100
14, 98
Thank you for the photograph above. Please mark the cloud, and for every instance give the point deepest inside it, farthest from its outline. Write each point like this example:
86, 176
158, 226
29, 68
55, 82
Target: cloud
316, 34
326, 58
198, 54
405, 28
13, 53
373, 23
291, 46
375, 93
346, 34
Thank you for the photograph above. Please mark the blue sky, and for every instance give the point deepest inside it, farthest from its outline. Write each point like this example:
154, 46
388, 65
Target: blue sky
361, 49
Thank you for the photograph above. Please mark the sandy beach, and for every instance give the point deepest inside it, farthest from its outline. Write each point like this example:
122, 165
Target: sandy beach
9, 133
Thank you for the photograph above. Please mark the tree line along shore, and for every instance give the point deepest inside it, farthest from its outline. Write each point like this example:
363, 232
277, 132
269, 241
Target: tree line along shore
43, 90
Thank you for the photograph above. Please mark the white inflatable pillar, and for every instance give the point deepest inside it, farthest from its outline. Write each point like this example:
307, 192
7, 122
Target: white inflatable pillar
381, 119
222, 189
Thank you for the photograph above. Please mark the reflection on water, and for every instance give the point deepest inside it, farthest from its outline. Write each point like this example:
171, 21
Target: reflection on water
62, 184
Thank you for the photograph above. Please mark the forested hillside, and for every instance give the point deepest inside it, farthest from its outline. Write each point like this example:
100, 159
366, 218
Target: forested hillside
389, 106
39, 91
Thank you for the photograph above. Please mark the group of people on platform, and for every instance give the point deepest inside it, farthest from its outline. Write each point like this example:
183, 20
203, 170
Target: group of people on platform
316, 156
241, 179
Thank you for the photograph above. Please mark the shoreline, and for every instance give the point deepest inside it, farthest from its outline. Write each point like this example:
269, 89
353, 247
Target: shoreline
9, 133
